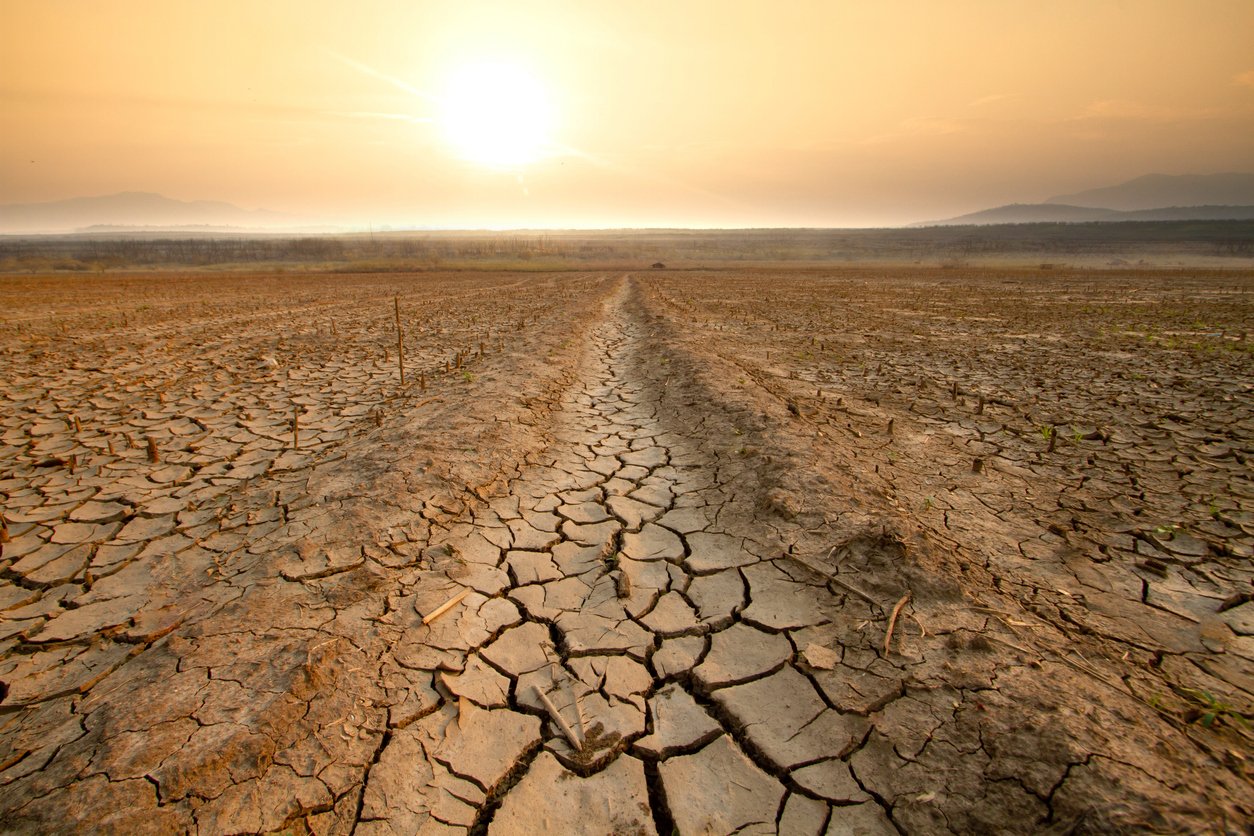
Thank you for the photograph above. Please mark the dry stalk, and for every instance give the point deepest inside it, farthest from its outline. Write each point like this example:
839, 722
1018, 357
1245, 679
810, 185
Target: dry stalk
445, 607
848, 587
892, 620
851, 588
557, 718
400, 340
574, 698
1025, 651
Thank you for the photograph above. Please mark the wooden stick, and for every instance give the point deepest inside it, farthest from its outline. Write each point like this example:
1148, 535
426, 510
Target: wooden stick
445, 607
574, 698
851, 588
1017, 647
400, 342
557, 718
848, 587
892, 620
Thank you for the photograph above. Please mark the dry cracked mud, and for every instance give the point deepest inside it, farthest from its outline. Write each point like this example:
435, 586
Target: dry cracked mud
600, 591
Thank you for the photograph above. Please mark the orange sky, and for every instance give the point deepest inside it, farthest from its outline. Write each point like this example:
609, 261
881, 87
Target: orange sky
661, 113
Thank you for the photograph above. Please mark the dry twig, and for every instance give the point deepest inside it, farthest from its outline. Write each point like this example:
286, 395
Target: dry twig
445, 607
557, 718
574, 698
892, 620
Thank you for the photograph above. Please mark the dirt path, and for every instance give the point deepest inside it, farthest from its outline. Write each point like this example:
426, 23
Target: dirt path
662, 616
628, 652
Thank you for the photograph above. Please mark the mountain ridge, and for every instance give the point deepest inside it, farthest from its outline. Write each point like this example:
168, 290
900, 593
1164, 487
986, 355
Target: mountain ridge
1027, 213
1155, 191
130, 208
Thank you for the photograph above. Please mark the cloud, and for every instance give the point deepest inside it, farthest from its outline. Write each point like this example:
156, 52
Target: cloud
1125, 110
921, 126
1245, 79
366, 69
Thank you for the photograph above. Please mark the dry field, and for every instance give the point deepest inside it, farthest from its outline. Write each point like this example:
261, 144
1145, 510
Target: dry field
844, 551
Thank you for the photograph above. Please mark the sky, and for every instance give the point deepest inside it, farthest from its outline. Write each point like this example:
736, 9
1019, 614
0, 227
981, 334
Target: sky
613, 114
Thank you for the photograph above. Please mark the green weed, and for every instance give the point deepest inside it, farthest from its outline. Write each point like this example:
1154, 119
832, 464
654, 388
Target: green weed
1211, 710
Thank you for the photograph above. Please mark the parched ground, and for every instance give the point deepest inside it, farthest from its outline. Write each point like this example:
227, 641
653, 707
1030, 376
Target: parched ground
694, 552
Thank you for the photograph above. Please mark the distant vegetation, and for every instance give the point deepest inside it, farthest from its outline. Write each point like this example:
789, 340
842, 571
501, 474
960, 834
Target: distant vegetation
949, 245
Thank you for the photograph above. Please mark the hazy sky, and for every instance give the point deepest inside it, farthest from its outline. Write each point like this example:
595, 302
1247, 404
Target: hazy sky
619, 113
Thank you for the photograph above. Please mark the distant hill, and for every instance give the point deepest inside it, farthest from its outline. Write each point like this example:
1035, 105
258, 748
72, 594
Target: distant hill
1154, 191
1026, 213
131, 209
1033, 213
1189, 213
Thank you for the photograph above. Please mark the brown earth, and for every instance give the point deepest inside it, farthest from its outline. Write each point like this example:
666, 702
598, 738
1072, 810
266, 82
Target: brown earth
719, 555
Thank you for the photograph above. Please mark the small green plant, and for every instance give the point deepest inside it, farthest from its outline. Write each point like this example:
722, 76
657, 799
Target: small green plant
1210, 710
468, 377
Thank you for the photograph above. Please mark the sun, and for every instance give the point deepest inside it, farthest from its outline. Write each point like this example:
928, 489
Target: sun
496, 114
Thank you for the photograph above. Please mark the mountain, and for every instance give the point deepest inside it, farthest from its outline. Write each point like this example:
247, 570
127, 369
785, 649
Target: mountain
1035, 213
1026, 213
1154, 191
1188, 213
131, 209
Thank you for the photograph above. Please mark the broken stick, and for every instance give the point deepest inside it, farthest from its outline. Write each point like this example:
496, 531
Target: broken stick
445, 607
892, 620
851, 588
557, 718
574, 698
848, 587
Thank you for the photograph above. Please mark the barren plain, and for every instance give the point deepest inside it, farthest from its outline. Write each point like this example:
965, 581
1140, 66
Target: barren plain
760, 551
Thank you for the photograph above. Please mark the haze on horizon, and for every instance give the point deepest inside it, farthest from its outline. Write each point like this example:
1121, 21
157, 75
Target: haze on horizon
569, 114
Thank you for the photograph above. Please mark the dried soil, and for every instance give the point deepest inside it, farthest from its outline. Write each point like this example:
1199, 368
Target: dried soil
674, 514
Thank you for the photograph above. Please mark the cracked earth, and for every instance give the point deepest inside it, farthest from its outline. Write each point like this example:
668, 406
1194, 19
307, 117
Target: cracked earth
576, 583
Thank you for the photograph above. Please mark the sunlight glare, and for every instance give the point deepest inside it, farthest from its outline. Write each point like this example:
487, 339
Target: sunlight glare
496, 114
